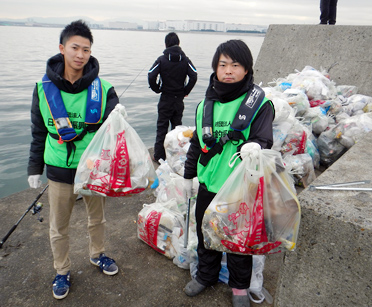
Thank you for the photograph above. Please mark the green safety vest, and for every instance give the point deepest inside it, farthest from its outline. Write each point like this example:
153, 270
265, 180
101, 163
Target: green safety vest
217, 170
56, 153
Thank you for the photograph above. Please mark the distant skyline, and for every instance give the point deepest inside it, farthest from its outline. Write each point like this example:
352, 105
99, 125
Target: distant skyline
263, 12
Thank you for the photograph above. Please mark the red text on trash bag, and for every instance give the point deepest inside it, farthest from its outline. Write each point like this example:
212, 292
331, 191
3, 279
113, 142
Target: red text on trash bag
250, 251
148, 229
253, 231
119, 174
108, 192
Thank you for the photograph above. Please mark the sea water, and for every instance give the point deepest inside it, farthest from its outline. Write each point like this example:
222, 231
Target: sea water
124, 57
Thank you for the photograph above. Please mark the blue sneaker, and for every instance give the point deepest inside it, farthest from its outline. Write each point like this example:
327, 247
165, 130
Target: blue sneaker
106, 264
61, 286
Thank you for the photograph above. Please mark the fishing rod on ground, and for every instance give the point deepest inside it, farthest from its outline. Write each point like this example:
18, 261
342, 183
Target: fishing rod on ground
36, 209
132, 82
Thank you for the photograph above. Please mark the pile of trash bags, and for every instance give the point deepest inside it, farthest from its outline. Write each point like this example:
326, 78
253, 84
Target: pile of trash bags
316, 121
169, 226
171, 201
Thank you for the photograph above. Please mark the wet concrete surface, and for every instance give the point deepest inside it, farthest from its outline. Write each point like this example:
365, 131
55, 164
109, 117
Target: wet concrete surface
145, 278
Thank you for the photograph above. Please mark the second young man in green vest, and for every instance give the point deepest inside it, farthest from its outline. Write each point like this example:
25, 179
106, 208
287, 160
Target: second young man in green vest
230, 97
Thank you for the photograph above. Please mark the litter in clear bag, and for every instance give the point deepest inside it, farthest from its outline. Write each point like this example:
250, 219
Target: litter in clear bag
256, 211
116, 162
176, 145
161, 226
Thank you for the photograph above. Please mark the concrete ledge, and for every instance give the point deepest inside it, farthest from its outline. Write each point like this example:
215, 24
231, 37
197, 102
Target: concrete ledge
290, 47
332, 265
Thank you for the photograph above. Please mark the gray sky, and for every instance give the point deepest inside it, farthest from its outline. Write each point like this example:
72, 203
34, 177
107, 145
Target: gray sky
260, 12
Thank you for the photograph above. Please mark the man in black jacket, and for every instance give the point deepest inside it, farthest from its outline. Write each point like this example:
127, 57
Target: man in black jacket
173, 67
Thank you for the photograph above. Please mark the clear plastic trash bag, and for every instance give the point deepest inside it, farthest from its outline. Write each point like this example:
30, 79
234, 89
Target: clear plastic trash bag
346, 90
333, 143
302, 168
161, 226
256, 211
116, 162
171, 185
297, 99
176, 145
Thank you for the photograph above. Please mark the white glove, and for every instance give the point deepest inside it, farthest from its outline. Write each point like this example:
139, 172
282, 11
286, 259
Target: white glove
251, 150
34, 181
187, 188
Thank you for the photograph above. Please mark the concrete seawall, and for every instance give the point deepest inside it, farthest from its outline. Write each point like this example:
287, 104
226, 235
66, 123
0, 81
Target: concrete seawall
332, 265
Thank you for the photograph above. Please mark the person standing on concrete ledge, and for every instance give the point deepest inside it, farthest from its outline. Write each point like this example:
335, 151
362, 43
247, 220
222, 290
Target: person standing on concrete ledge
328, 9
225, 124
69, 105
173, 67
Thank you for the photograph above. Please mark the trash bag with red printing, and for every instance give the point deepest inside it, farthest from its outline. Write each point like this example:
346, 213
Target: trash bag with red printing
256, 211
116, 162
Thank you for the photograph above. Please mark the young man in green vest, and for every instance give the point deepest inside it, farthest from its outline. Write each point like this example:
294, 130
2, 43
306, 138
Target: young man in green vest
68, 106
234, 116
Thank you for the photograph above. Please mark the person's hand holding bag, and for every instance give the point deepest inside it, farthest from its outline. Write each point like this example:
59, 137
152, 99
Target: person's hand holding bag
251, 150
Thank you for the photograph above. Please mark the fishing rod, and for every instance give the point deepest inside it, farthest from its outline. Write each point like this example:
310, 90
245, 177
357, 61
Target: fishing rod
132, 82
36, 209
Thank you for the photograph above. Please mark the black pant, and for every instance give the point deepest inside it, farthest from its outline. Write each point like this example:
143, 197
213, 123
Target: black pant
328, 10
170, 109
239, 266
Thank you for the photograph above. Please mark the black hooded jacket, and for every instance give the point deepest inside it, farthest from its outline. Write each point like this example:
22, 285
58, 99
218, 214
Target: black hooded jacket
173, 67
55, 69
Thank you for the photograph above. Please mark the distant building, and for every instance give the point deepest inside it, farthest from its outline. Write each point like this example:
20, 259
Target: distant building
201, 25
96, 26
123, 25
151, 25
176, 25
233, 27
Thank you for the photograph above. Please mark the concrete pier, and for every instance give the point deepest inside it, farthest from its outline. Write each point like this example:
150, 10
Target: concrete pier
146, 278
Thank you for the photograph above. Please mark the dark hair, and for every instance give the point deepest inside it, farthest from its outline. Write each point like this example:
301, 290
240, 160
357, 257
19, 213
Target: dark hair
77, 27
171, 40
237, 50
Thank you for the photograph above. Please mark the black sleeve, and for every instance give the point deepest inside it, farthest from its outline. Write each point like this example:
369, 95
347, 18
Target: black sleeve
111, 102
153, 75
39, 133
193, 77
262, 127
192, 157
